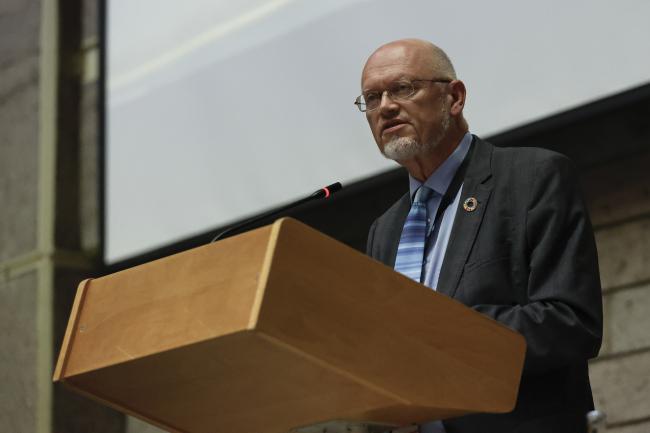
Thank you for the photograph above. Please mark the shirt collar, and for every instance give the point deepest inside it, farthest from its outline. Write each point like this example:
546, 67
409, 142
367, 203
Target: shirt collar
441, 178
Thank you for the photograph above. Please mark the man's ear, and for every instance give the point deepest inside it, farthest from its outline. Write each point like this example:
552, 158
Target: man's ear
458, 93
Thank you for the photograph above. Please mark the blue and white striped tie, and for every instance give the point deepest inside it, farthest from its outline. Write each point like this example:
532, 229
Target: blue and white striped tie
410, 251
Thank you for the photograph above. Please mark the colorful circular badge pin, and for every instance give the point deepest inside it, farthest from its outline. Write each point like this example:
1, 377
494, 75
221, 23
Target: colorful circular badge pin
470, 204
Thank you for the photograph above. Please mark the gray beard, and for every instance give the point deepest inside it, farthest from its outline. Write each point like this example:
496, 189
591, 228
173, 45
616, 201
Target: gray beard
405, 148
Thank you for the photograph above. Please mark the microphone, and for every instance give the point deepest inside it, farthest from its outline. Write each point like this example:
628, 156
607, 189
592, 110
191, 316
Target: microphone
322, 193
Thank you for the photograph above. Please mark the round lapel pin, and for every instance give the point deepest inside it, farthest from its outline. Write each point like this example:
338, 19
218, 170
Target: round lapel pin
470, 204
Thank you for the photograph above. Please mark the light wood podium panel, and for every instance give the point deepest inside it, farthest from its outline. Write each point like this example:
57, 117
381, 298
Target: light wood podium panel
278, 328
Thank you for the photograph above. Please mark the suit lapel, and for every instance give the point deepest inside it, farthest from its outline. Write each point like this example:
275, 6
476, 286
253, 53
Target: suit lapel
466, 224
395, 223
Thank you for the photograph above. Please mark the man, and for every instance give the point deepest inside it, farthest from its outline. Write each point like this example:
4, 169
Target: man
502, 230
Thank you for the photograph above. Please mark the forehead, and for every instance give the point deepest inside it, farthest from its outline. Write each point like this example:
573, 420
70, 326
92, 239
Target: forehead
392, 63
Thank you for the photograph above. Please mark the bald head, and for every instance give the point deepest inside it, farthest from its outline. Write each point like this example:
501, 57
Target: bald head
427, 57
422, 128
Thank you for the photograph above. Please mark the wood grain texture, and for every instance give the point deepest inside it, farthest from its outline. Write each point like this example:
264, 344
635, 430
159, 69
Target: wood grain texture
70, 332
196, 295
240, 383
278, 328
359, 316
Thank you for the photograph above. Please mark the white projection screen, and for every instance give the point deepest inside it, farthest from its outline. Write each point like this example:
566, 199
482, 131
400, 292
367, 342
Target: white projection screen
220, 109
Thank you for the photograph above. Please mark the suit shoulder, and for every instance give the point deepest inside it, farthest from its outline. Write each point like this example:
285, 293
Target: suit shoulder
531, 161
533, 154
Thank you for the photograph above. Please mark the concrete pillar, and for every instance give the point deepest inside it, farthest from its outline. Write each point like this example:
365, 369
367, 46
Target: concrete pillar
49, 220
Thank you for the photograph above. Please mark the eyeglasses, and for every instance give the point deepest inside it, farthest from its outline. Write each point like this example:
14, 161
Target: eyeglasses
371, 100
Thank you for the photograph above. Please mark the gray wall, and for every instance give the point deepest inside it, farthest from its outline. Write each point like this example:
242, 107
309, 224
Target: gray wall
49, 222
619, 199
25, 395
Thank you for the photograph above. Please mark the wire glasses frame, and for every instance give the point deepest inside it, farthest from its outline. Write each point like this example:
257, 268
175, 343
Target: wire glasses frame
371, 100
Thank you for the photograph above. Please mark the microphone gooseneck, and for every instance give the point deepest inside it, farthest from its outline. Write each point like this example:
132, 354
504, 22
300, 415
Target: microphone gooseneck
322, 193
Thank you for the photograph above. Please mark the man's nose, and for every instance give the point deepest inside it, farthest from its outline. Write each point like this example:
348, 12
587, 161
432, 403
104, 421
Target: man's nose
387, 106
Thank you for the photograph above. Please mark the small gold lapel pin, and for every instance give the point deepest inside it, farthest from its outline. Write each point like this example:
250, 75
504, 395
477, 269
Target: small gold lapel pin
470, 204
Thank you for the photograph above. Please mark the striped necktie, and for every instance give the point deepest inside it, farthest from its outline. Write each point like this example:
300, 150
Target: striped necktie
410, 251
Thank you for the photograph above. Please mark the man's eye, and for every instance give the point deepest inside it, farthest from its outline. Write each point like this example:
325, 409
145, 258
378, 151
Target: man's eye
371, 97
402, 89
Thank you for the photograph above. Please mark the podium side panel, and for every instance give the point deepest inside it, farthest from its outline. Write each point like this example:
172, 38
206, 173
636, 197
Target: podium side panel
73, 321
192, 296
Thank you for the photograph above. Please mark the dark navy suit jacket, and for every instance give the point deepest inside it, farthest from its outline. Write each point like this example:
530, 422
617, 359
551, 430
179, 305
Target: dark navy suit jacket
525, 257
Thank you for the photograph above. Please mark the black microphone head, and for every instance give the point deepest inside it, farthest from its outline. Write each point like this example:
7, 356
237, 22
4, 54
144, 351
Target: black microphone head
335, 187
326, 191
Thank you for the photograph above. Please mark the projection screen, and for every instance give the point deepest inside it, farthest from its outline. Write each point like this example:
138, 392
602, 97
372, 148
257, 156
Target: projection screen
217, 110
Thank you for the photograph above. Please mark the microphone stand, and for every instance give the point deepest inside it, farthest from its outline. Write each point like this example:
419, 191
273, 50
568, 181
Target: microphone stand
322, 193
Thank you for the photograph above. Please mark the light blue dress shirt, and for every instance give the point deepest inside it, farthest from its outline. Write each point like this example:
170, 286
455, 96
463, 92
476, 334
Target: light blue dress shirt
439, 182
435, 248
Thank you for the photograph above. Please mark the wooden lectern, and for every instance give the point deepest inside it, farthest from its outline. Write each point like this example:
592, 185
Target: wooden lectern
278, 328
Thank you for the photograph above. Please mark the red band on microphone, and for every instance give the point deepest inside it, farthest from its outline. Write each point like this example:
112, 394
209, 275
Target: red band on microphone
327, 192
